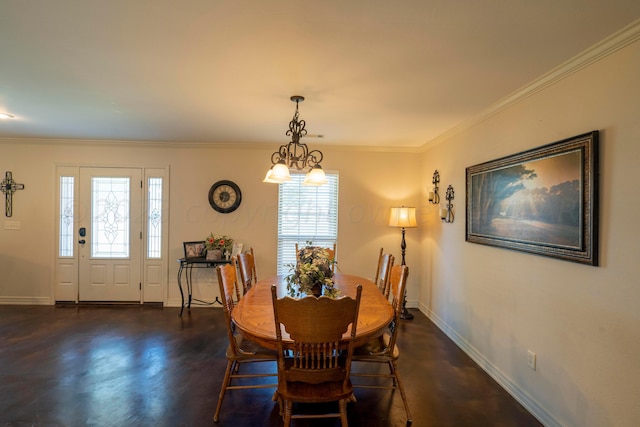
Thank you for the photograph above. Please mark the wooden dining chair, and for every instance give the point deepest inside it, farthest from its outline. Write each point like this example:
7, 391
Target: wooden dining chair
385, 262
384, 349
316, 366
247, 269
239, 351
332, 256
237, 285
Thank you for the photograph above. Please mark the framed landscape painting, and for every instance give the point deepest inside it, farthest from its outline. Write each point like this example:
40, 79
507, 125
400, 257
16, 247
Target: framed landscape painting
543, 201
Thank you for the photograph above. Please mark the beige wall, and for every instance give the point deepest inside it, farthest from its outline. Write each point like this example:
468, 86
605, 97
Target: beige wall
582, 321
370, 183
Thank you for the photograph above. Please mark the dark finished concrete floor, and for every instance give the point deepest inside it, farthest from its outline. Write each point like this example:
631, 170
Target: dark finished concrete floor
145, 366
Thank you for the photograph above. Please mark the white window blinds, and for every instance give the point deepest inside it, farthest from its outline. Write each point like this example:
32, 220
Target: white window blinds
306, 213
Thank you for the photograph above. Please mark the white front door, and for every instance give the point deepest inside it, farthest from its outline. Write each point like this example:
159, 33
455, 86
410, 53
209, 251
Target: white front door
110, 234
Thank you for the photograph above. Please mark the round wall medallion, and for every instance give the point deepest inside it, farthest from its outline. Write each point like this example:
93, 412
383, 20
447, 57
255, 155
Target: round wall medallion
225, 196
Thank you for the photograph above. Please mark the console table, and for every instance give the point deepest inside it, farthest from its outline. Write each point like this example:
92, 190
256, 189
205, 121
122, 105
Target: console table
187, 265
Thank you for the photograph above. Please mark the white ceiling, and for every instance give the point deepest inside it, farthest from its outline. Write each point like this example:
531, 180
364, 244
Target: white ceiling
374, 73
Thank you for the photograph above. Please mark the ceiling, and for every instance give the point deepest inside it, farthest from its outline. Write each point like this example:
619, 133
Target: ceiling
374, 73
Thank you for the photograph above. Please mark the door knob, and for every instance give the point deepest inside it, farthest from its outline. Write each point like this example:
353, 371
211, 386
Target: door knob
82, 242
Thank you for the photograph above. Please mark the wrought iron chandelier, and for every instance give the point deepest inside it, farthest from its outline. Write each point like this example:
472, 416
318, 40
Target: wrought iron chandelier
296, 155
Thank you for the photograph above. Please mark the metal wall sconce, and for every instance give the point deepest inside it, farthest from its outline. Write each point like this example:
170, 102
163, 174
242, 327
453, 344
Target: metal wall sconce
446, 213
434, 197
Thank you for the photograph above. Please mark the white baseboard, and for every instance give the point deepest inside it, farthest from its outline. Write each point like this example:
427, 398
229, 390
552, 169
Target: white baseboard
519, 394
173, 302
25, 301
412, 304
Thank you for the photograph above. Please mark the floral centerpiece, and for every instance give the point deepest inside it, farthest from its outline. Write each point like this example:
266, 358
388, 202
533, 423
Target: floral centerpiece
221, 243
312, 275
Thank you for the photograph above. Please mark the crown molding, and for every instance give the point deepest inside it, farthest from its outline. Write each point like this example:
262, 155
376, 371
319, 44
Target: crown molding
196, 145
626, 36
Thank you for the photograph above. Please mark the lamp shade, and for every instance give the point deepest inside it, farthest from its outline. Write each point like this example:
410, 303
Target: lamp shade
267, 177
278, 173
403, 217
315, 177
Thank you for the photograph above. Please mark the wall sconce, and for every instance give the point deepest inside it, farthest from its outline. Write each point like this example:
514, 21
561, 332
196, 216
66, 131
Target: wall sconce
446, 213
434, 197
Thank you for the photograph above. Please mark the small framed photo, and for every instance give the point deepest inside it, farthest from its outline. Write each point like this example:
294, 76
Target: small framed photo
193, 249
237, 248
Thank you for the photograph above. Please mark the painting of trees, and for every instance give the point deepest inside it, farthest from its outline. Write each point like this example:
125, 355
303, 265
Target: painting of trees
537, 201
492, 188
542, 201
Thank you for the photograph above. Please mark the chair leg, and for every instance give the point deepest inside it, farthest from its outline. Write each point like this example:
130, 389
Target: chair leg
288, 409
277, 398
392, 370
223, 388
396, 379
343, 412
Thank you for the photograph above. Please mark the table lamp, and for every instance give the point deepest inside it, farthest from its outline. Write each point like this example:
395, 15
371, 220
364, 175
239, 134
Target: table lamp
403, 217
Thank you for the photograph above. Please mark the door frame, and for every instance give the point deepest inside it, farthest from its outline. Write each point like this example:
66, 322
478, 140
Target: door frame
155, 271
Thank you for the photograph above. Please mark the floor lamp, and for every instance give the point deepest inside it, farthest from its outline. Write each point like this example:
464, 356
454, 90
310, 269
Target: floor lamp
404, 218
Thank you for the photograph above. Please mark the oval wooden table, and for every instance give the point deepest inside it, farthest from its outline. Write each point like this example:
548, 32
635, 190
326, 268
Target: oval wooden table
253, 315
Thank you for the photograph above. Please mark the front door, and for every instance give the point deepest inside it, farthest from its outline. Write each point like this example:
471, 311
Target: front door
110, 234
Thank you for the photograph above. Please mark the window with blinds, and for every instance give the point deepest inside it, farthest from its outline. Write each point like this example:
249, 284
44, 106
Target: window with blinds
305, 213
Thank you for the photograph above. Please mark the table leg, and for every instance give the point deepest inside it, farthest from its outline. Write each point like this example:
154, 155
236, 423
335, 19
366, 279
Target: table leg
180, 286
186, 268
189, 285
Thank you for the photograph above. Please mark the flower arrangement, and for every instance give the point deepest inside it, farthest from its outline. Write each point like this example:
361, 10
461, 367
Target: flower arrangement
219, 242
312, 275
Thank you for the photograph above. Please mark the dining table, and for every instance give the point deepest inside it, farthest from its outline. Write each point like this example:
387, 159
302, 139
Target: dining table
253, 314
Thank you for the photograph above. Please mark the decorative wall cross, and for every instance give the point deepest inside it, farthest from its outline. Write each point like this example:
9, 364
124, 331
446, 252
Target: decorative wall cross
9, 186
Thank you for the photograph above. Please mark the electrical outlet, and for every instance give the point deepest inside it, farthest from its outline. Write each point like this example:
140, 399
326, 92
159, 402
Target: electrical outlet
12, 225
531, 359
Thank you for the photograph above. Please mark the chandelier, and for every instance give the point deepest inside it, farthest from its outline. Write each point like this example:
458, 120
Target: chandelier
296, 155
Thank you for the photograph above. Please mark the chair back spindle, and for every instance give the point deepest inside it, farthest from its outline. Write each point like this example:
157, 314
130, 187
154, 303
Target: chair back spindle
385, 262
247, 268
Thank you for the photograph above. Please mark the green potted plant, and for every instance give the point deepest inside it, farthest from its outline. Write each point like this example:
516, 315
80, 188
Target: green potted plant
312, 274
